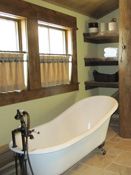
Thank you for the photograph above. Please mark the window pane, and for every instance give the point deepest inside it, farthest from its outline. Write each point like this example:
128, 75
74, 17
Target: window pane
43, 40
13, 65
57, 41
8, 35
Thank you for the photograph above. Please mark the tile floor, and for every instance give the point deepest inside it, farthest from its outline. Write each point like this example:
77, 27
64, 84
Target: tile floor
117, 160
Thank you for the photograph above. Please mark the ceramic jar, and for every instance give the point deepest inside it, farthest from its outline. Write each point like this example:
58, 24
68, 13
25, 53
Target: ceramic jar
112, 24
93, 27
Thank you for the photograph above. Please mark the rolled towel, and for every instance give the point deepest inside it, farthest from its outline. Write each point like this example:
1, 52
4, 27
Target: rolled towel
111, 52
111, 49
108, 55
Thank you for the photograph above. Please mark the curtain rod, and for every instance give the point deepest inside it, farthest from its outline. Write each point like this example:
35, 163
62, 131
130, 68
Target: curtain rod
39, 53
55, 54
13, 51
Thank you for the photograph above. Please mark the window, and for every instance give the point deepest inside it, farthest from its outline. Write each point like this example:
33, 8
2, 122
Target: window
26, 40
12, 66
55, 62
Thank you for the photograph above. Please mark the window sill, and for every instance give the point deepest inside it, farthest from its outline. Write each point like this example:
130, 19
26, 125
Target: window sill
26, 95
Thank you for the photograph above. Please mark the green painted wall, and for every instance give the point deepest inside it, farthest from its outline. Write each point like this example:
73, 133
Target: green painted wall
45, 109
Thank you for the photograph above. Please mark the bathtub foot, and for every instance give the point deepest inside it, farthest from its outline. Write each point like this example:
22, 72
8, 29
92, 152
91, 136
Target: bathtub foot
103, 151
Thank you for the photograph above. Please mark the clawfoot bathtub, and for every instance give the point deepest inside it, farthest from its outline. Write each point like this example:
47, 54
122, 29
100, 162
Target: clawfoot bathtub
69, 137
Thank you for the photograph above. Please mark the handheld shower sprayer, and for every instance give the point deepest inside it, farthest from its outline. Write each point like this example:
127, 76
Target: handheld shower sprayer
20, 114
25, 134
24, 129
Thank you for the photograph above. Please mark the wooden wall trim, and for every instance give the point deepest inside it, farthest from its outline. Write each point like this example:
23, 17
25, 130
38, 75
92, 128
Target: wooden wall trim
33, 52
16, 97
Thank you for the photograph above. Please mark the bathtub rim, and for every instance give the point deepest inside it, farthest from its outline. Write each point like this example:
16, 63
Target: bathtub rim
74, 140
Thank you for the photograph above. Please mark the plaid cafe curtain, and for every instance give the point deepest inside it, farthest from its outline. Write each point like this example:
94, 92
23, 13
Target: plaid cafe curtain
11, 72
54, 70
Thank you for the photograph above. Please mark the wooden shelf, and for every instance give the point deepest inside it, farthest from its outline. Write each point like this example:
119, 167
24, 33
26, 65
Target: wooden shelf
94, 84
100, 62
100, 38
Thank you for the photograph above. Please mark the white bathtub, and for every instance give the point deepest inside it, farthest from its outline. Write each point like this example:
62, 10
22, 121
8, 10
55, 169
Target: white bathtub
71, 136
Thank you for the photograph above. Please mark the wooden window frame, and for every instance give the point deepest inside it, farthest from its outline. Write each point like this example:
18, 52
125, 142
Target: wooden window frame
33, 14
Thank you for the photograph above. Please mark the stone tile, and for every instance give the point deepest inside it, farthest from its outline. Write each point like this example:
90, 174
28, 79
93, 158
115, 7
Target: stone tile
97, 171
109, 145
110, 133
115, 151
124, 159
108, 137
79, 167
116, 138
69, 172
124, 144
111, 173
122, 170
99, 161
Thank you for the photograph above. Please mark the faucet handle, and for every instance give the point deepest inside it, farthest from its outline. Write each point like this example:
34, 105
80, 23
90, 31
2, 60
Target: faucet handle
37, 132
33, 130
31, 136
